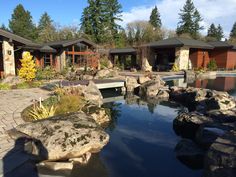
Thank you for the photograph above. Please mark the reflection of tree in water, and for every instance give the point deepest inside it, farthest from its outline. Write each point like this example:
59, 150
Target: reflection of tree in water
114, 110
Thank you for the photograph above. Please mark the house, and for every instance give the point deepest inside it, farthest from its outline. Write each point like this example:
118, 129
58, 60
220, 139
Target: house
58, 55
124, 56
187, 53
224, 54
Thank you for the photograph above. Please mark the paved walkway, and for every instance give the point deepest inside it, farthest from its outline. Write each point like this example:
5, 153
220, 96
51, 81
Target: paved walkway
12, 103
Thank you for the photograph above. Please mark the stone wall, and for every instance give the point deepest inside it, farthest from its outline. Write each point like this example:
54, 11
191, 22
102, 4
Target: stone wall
182, 57
62, 59
8, 58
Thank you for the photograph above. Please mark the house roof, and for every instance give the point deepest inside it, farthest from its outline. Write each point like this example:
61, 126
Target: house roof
123, 51
15, 37
47, 48
66, 43
222, 44
180, 42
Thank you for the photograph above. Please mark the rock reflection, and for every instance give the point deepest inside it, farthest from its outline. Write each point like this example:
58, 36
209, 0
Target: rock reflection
95, 167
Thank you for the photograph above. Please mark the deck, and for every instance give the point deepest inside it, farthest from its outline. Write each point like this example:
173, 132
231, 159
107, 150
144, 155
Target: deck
101, 84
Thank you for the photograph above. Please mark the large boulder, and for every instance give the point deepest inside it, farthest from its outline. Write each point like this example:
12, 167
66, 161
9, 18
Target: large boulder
66, 137
189, 75
190, 153
202, 99
208, 133
152, 88
220, 160
143, 79
220, 101
106, 73
97, 113
93, 94
131, 83
187, 124
227, 115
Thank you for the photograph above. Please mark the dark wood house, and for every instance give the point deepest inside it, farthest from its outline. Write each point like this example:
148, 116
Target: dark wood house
224, 54
58, 55
187, 53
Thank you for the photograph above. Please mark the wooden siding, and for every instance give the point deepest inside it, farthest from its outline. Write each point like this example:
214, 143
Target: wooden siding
220, 56
231, 59
199, 58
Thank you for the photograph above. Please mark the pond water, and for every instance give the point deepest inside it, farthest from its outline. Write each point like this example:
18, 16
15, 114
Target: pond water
142, 140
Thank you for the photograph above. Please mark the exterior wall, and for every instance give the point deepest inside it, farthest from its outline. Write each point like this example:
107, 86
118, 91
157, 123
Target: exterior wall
220, 56
62, 57
199, 58
231, 59
8, 59
182, 55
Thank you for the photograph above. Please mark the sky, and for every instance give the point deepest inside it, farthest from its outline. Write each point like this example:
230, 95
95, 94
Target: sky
68, 12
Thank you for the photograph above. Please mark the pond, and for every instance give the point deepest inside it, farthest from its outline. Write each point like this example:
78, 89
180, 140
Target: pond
142, 140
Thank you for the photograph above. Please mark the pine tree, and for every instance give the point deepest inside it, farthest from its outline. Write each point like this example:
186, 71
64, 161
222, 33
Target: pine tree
197, 19
112, 16
212, 31
190, 20
220, 33
46, 29
155, 18
233, 32
21, 23
99, 20
4, 27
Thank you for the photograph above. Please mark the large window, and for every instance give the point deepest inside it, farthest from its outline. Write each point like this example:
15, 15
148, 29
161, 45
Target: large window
47, 60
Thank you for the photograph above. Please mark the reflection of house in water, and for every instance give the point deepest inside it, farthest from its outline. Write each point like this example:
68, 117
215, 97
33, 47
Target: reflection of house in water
220, 83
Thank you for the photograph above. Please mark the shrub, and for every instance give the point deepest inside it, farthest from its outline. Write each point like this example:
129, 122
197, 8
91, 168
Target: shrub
212, 66
46, 74
27, 70
4, 86
36, 84
175, 68
104, 62
22, 85
42, 112
70, 103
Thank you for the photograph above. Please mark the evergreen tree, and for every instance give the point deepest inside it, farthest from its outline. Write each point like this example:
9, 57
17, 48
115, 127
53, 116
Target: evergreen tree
46, 29
190, 20
155, 18
220, 33
112, 16
212, 31
233, 32
197, 27
99, 20
4, 27
21, 23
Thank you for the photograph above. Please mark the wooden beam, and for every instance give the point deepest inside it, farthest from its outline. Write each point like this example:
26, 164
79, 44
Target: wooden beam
51, 60
73, 54
79, 53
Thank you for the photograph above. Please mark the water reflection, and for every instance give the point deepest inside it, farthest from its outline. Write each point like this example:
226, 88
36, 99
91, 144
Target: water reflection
220, 83
142, 140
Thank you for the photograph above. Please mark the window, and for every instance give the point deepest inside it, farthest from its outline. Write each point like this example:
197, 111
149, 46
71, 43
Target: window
47, 60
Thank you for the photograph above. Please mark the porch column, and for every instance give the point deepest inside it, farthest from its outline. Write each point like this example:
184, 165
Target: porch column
8, 58
182, 57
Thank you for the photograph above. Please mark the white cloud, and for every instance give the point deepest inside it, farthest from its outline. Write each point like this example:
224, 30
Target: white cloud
213, 11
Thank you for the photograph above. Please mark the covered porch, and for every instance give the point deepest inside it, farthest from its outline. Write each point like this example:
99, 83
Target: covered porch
124, 57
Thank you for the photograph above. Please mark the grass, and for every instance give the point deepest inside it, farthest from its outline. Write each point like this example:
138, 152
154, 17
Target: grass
4, 86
